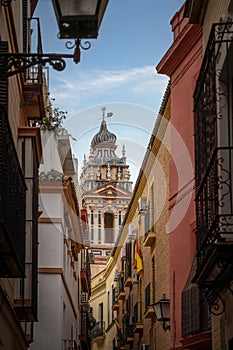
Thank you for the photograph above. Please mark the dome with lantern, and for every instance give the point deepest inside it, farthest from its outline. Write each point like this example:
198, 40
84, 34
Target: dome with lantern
103, 137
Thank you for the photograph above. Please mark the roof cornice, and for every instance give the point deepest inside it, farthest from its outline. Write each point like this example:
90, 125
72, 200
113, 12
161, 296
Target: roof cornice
179, 50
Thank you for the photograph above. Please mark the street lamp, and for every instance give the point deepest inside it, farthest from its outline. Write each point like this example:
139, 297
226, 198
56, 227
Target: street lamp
162, 312
79, 18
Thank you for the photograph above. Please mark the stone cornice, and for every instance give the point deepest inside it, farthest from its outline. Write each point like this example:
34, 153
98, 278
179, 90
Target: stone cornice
180, 49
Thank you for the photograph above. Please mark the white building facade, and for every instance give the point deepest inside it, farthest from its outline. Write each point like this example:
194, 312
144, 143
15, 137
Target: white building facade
60, 256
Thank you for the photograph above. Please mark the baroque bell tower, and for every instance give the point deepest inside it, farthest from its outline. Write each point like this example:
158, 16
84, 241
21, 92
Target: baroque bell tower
106, 192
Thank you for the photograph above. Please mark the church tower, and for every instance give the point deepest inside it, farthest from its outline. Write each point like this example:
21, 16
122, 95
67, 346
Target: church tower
106, 192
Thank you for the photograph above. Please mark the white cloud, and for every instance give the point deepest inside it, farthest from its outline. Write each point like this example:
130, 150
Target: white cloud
137, 85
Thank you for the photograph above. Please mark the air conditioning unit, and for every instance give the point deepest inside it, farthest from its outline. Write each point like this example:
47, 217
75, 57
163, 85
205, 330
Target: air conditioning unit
84, 297
142, 205
132, 232
134, 278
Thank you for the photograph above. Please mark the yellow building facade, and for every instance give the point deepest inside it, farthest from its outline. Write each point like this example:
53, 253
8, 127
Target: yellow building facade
137, 272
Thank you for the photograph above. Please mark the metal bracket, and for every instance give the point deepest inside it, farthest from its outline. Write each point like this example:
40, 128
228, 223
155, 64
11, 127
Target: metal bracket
14, 63
6, 3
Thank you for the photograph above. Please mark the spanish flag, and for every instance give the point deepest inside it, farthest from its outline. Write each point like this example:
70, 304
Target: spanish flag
138, 259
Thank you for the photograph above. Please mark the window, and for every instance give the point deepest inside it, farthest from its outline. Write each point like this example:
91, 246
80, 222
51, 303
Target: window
113, 300
92, 226
99, 235
100, 312
92, 235
108, 303
99, 218
153, 280
108, 227
119, 218
99, 153
92, 217
152, 207
99, 227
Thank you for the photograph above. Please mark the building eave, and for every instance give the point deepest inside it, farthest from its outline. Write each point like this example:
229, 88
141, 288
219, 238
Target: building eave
179, 50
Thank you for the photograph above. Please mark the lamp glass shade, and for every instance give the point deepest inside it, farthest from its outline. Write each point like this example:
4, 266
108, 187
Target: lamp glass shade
162, 310
71, 8
79, 18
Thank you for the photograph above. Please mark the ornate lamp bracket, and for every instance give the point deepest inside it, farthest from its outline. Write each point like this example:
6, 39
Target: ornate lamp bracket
214, 300
14, 63
6, 3
217, 308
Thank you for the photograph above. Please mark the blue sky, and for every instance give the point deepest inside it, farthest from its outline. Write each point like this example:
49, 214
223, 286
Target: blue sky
117, 72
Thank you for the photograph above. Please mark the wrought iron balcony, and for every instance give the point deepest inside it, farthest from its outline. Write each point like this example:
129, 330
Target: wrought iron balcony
33, 78
85, 272
128, 272
137, 319
149, 236
127, 329
86, 326
149, 310
115, 304
98, 330
214, 163
12, 205
119, 340
121, 290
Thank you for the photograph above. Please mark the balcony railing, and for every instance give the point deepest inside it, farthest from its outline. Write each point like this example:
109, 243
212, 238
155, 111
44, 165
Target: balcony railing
85, 272
128, 272
119, 340
214, 161
137, 319
115, 304
12, 205
149, 236
121, 290
85, 332
214, 203
98, 330
149, 310
34, 74
33, 77
212, 99
127, 330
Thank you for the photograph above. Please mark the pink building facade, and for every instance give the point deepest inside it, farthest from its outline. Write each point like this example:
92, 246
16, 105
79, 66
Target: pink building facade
181, 64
